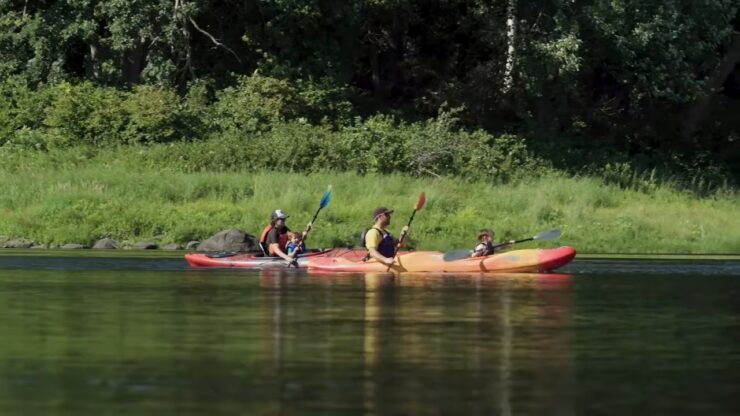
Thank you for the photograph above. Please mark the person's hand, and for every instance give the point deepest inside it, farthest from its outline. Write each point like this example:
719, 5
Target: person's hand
404, 230
389, 261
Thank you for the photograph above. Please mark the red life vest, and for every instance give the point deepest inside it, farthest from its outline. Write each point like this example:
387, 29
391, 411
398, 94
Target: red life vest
282, 240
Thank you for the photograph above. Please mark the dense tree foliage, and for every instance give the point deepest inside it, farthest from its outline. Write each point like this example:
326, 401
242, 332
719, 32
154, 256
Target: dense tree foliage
599, 78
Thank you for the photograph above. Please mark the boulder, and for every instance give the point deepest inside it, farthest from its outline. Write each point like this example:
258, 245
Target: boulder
145, 245
192, 245
231, 240
18, 244
72, 246
173, 246
106, 244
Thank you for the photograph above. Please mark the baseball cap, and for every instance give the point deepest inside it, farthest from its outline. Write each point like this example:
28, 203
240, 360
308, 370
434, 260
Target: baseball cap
381, 210
278, 215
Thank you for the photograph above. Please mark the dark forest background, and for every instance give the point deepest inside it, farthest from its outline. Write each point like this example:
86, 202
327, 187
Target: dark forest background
584, 85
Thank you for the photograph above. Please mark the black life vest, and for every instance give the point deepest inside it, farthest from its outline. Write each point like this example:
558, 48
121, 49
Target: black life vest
386, 247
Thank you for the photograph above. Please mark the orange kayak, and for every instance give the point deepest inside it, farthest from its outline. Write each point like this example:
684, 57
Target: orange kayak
529, 260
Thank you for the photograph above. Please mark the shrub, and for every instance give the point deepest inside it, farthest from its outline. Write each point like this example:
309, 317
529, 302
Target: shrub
376, 145
257, 103
152, 115
254, 104
20, 108
323, 102
85, 114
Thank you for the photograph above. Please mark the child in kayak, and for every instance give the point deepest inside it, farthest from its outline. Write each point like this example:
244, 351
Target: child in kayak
485, 245
295, 244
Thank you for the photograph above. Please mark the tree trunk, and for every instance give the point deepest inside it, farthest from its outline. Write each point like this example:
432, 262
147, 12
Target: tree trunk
396, 52
511, 49
179, 16
94, 64
375, 71
133, 63
697, 111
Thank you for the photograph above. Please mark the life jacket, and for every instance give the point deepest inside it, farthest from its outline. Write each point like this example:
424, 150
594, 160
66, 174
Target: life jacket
485, 249
300, 248
386, 247
282, 240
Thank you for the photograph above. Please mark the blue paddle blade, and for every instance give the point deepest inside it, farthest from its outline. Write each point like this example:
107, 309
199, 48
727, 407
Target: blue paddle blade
326, 198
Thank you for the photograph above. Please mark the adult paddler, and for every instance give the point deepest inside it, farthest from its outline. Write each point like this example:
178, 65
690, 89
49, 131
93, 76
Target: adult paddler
378, 241
274, 237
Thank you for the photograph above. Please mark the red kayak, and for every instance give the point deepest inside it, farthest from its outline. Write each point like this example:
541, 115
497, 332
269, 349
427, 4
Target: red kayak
351, 260
258, 261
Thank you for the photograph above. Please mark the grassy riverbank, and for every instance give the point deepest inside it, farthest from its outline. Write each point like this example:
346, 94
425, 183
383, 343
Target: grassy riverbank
111, 196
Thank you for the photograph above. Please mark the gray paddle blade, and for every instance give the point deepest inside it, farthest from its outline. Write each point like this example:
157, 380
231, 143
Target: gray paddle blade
547, 235
456, 255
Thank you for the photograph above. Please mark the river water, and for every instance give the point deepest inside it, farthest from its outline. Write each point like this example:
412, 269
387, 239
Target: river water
83, 335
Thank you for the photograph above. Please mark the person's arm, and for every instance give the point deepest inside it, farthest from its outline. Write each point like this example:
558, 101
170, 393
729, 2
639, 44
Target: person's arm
374, 253
504, 246
273, 245
275, 248
402, 237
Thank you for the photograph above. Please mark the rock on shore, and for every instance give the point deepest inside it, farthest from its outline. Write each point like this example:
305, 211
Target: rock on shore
230, 240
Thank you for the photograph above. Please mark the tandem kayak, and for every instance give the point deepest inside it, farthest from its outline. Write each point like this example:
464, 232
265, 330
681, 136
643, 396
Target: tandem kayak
529, 260
258, 261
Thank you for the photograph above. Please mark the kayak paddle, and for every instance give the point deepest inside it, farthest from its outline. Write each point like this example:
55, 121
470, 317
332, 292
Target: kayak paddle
324, 202
419, 205
461, 254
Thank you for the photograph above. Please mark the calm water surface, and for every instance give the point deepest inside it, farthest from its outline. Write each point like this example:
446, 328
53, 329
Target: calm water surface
150, 336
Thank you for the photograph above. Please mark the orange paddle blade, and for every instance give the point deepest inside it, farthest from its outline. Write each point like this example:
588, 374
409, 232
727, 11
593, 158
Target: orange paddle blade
421, 202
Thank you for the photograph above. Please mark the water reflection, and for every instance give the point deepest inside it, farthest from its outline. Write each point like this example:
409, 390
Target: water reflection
86, 338
463, 344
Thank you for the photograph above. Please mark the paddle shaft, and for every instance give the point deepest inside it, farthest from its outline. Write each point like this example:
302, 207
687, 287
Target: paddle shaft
513, 242
461, 254
400, 240
316, 215
322, 204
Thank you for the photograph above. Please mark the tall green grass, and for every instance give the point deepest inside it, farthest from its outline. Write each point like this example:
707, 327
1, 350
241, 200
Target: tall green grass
122, 196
